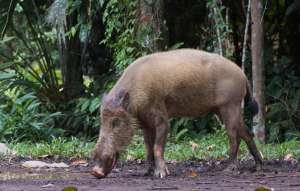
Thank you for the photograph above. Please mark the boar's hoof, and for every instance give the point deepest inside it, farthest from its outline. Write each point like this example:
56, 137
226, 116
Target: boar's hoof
258, 167
162, 172
98, 172
149, 172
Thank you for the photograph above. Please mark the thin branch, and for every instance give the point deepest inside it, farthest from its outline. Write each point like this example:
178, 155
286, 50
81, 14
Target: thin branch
245, 42
246, 35
218, 35
10, 12
262, 17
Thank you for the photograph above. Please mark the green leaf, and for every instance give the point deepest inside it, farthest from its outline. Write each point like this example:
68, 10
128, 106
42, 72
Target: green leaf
33, 105
6, 39
85, 105
25, 98
6, 75
181, 133
52, 116
73, 31
95, 104
36, 125
6, 65
176, 46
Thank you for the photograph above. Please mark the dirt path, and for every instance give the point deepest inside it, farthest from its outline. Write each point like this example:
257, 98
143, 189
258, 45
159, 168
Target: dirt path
189, 175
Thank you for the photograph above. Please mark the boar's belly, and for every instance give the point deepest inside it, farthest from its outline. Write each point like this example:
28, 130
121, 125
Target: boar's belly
189, 106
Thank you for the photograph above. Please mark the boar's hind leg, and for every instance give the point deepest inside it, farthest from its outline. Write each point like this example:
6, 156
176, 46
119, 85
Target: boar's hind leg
230, 115
247, 136
149, 138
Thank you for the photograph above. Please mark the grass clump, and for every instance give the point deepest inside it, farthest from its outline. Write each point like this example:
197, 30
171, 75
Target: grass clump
212, 146
72, 147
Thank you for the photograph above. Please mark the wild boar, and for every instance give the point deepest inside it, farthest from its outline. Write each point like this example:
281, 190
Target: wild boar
175, 83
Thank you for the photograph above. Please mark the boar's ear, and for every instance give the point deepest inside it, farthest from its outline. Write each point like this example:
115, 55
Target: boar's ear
124, 99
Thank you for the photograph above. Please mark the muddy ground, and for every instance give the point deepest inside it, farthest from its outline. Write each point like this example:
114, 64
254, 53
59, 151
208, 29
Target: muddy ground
188, 175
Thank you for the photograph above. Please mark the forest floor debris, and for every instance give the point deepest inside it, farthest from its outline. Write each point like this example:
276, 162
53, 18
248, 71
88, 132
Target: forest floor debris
186, 175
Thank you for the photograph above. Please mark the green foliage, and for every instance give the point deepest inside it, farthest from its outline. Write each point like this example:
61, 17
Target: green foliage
30, 65
221, 30
33, 66
81, 117
283, 103
23, 117
193, 128
25, 51
212, 146
120, 20
72, 147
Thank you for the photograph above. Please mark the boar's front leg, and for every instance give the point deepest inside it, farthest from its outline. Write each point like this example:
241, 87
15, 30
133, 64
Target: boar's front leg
149, 138
158, 125
162, 130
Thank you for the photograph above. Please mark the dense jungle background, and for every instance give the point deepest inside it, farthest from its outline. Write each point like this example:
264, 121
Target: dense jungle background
57, 58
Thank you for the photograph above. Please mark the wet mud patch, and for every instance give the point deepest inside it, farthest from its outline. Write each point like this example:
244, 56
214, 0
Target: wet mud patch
187, 175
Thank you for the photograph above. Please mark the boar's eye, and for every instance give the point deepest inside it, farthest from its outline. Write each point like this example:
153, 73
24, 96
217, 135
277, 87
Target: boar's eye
115, 122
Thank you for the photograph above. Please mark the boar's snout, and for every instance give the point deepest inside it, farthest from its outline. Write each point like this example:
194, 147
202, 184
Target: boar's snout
98, 172
104, 166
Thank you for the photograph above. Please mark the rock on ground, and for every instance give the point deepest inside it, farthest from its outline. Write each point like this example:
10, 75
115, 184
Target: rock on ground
4, 150
41, 164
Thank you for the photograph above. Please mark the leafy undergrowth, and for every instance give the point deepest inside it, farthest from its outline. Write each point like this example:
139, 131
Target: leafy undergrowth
213, 146
63, 147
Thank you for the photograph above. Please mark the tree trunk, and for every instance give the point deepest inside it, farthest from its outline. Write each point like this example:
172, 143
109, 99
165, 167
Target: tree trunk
152, 28
71, 64
257, 41
292, 32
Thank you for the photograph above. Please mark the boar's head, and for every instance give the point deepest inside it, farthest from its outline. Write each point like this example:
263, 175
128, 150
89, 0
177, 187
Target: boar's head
116, 132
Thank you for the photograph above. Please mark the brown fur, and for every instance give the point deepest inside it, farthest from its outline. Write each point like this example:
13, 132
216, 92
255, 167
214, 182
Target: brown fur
177, 83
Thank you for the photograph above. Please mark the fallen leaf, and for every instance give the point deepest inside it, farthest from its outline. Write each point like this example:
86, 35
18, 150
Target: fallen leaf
48, 186
263, 188
79, 163
34, 164
59, 165
44, 156
193, 174
70, 188
4, 150
288, 157
291, 158
129, 158
194, 145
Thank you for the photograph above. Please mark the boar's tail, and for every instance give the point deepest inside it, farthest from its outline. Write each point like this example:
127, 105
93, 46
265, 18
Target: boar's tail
250, 102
